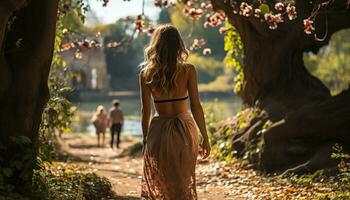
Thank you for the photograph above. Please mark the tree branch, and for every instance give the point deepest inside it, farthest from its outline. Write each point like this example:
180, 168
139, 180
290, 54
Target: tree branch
326, 24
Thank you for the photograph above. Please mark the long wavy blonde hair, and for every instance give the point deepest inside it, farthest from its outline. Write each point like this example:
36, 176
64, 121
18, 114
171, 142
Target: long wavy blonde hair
164, 58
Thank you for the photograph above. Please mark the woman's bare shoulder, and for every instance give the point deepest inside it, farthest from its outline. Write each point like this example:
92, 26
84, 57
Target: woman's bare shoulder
144, 74
190, 68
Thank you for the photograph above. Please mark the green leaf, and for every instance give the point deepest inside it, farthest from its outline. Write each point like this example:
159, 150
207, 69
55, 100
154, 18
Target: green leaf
24, 139
264, 8
66, 90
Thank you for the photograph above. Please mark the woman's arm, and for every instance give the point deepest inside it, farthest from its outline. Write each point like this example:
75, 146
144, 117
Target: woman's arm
197, 110
146, 110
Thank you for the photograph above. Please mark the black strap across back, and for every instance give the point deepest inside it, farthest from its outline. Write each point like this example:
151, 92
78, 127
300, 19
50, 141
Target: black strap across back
170, 100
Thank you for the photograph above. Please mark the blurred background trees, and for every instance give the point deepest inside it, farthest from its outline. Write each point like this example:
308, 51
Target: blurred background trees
332, 63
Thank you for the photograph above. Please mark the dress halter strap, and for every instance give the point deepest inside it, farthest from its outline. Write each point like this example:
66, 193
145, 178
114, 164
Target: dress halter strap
170, 100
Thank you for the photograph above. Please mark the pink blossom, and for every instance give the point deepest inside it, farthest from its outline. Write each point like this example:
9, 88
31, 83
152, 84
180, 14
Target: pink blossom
279, 6
273, 20
308, 26
257, 13
291, 11
246, 9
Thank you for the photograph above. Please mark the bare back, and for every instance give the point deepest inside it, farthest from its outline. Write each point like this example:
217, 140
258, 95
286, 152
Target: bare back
186, 86
178, 106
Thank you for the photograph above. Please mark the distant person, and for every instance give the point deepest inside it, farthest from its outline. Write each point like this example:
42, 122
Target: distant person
116, 121
170, 137
100, 121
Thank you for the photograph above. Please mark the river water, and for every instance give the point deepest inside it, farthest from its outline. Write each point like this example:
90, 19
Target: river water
225, 106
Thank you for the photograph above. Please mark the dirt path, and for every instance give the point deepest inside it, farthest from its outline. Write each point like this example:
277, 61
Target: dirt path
215, 180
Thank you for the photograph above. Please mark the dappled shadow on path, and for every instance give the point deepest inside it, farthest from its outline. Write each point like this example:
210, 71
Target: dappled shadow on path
84, 158
83, 146
71, 137
126, 173
133, 151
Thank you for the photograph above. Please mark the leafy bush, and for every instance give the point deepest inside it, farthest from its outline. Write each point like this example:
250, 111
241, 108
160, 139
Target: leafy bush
222, 136
342, 185
308, 179
69, 182
212, 119
17, 170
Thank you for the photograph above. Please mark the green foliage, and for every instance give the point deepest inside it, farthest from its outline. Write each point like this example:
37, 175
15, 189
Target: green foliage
59, 110
212, 117
19, 154
234, 56
69, 182
256, 145
222, 135
264, 8
308, 179
221, 148
72, 13
55, 180
342, 185
331, 64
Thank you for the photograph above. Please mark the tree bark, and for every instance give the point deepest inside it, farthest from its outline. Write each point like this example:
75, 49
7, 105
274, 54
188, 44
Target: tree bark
277, 82
25, 59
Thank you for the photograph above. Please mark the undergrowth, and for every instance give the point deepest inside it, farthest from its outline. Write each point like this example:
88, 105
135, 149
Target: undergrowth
222, 149
63, 181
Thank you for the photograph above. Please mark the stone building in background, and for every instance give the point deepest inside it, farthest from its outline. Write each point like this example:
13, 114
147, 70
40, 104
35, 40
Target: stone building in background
89, 68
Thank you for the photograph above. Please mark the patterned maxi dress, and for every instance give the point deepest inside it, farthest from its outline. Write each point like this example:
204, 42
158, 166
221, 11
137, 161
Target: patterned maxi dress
170, 159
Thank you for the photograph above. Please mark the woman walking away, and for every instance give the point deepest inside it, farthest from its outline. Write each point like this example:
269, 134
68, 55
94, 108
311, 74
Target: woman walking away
170, 137
100, 121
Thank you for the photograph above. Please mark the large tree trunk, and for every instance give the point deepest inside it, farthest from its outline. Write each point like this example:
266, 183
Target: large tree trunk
306, 119
25, 60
